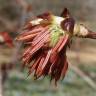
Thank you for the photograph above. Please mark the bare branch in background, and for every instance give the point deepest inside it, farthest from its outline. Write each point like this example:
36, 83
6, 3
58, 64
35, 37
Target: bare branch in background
11, 26
83, 76
1, 86
25, 6
8, 24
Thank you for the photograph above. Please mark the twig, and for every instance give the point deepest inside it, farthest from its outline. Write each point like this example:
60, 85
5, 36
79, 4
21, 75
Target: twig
1, 86
86, 78
24, 14
7, 24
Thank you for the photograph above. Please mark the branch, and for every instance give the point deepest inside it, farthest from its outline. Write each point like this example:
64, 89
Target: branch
24, 14
1, 86
86, 78
9, 25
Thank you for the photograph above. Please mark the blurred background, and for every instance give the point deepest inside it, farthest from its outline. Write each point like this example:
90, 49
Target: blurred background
81, 76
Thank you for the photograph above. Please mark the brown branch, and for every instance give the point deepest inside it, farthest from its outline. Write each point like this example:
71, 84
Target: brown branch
1, 86
7, 24
86, 78
11, 26
24, 13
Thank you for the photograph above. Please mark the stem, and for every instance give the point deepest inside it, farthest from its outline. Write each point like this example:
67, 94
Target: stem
91, 35
86, 78
1, 84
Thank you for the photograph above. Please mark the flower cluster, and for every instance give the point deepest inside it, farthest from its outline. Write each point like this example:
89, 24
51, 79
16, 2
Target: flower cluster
47, 38
5, 38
